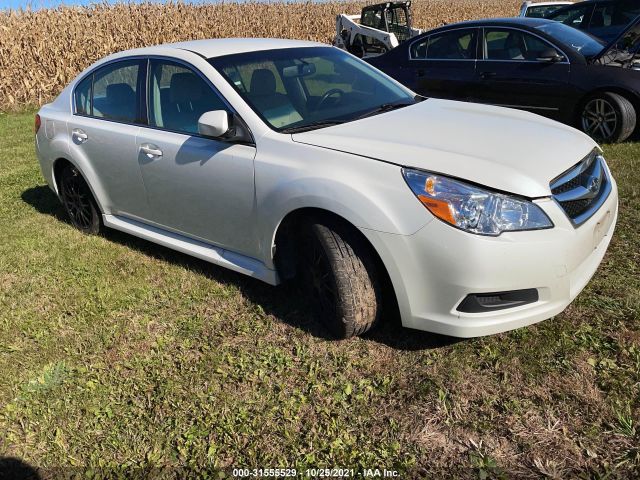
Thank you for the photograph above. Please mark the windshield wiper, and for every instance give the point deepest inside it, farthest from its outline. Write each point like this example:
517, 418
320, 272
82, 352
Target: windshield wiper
385, 107
312, 126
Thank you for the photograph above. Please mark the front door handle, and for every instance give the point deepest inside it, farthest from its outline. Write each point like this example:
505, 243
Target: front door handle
150, 150
487, 75
79, 135
420, 72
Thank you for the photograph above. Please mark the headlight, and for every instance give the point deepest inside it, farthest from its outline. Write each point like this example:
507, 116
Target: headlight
474, 209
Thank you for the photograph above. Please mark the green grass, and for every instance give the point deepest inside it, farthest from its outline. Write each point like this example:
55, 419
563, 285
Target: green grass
123, 357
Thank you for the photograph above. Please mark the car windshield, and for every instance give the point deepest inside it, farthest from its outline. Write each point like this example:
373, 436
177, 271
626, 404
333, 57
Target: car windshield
297, 89
580, 41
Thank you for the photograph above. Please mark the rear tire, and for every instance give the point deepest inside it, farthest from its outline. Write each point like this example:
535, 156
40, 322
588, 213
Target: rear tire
339, 273
608, 117
78, 201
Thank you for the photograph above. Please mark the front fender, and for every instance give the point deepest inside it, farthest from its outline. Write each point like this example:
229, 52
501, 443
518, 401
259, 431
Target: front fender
367, 193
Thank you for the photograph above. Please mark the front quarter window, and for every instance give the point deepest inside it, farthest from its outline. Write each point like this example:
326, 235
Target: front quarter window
308, 86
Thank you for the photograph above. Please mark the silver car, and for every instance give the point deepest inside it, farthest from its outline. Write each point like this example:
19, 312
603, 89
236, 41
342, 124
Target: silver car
283, 159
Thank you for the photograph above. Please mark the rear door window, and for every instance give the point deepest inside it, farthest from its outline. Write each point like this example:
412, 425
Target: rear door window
115, 92
452, 45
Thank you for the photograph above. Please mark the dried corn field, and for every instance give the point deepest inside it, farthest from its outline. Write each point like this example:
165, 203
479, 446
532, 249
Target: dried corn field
42, 50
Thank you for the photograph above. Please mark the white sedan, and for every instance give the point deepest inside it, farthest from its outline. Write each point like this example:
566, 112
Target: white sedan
294, 160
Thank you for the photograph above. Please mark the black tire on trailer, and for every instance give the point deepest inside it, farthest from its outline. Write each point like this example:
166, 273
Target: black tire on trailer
608, 117
340, 274
78, 201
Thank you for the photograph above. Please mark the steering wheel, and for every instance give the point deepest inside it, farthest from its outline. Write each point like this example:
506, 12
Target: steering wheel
327, 94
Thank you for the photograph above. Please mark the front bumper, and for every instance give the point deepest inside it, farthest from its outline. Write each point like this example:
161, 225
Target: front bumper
435, 269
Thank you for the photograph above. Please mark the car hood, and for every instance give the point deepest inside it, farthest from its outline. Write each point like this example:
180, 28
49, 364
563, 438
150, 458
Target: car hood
508, 150
627, 41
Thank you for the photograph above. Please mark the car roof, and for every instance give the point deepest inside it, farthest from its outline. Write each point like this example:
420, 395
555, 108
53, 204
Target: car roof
217, 47
226, 46
508, 22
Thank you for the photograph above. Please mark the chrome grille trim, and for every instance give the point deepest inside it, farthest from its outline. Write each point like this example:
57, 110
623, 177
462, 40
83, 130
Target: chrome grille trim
581, 190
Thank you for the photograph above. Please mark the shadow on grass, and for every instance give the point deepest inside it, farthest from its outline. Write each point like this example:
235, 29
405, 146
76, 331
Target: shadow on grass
283, 302
16, 469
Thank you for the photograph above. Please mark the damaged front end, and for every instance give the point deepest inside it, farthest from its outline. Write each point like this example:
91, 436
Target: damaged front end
624, 51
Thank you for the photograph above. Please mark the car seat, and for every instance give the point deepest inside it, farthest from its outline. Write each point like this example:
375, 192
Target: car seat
119, 103
275, 106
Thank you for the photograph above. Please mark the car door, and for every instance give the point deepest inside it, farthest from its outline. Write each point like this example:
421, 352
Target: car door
443, 64
512, 72
200, 187
103, 130
610, 19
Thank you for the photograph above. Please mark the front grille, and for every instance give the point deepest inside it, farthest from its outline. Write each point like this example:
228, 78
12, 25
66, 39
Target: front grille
570, 185
575, 208
582, 189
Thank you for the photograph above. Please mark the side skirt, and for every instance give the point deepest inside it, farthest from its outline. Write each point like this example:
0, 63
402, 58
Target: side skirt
218, 256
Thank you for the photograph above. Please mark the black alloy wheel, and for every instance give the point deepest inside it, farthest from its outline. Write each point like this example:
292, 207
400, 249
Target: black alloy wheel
78, 201
608, 118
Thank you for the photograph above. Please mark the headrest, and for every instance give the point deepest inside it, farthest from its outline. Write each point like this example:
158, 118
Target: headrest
120, 93
512, 41
185, 87
597, 21
263, 82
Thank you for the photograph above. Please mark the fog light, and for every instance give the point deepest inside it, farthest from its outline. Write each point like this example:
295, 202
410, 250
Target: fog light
488, 302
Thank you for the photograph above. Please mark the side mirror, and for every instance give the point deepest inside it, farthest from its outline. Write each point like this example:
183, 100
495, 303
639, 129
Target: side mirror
213, 124
550, 55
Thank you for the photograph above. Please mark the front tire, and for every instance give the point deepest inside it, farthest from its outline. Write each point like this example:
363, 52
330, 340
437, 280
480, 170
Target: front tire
608, 117
340, 274
78, 201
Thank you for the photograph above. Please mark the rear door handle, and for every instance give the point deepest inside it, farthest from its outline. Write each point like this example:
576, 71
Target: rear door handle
79, 135
150, 150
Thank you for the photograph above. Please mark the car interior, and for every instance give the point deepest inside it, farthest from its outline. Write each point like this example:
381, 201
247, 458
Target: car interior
178, 105
513, 45
285, 95
276, 106
447, 46
118, 103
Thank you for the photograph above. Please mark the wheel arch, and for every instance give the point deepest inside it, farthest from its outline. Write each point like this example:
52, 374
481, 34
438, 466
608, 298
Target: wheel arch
56, 169
284, 250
